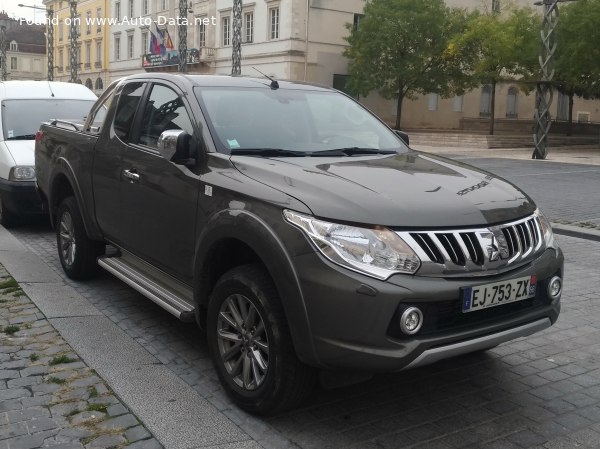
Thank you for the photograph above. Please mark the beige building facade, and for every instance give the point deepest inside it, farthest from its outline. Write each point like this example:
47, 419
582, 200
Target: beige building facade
25, 50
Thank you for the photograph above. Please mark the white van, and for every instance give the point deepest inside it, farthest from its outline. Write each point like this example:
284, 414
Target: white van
24, 105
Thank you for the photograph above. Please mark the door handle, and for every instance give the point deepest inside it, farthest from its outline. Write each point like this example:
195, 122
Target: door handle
131, 175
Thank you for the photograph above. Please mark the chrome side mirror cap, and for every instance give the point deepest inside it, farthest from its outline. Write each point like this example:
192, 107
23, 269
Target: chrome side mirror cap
167, 143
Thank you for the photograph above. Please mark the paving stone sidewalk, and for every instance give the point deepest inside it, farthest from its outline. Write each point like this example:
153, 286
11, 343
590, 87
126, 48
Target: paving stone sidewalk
48, 396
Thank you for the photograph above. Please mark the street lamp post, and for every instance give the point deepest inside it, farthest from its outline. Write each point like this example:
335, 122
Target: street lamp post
182, 32
73, 41
3, 52
545, 87
49, 37
236, 53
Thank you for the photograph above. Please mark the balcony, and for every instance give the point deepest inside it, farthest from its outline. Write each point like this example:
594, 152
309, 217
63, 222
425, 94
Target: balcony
60, 68
98, 64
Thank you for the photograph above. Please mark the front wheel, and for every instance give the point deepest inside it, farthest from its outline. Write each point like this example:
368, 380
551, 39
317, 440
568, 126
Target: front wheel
77, 253
251, 346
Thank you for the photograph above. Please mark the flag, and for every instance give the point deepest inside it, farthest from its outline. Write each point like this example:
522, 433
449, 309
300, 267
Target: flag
160, 38
154, 46
168, 42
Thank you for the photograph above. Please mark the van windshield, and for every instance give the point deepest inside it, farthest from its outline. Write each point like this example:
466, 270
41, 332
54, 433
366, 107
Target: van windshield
294, 121
22, 118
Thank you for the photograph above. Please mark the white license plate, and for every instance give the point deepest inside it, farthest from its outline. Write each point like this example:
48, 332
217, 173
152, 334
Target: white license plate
498, 293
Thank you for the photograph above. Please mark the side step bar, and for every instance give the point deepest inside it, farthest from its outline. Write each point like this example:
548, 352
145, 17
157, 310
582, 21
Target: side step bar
150, 286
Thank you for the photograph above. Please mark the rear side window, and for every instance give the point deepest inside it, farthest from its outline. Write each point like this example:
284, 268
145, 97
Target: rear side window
128, 103
164, 111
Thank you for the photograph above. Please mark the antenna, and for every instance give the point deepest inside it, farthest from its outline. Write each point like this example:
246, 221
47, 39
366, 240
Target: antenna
274, 83
50, 87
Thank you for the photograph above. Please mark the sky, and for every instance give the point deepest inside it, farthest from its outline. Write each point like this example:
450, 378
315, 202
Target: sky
13, 10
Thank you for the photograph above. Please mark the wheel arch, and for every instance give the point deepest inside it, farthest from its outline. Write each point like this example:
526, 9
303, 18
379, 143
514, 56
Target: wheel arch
252, 240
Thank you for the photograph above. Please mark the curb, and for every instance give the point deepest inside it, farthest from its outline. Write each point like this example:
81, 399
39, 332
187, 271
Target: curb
576, 231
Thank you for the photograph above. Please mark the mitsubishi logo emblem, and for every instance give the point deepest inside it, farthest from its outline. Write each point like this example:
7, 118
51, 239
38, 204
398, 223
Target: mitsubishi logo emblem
493, 251
497, 247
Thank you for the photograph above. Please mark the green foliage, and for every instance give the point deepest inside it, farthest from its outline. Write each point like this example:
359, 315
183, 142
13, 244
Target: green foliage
11, 330
97, 408
578, 50
398, 49
61, 359
33, 357
93, 392
55, 380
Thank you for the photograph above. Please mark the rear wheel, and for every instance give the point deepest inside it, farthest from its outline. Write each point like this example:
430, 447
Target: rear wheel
251, 346
76, 251
7, 218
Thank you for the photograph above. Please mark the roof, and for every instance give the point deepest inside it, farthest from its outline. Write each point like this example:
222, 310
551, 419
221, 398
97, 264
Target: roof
30, 38
44, 89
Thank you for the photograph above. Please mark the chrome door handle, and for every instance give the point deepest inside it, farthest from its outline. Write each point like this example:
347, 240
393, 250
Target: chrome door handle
131, 175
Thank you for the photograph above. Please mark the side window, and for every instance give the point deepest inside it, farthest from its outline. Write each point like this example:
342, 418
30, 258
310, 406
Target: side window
99, 114
164, 111
128, 103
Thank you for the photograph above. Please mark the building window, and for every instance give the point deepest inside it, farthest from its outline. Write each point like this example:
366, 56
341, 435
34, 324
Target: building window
562, 109
432, 102
88, 22
164, 5
88, 55
226, 23
60, 60
357, 19
79, 55
485, 107
495, 5
130, 8
201, 34
130, 46
98, 53
118, 10
511, 103
14, 46
249, 27
458, 103
98, 16
145, 7
78, 25
88, 84
99, 84
274, 23
117, 48
13, 63
145, 43
60, 30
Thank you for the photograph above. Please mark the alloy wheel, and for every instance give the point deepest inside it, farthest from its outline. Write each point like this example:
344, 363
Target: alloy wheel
242, 341
68, 244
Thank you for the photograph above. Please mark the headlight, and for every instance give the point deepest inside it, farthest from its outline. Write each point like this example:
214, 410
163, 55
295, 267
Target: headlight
22, 173
546, 229
377, 252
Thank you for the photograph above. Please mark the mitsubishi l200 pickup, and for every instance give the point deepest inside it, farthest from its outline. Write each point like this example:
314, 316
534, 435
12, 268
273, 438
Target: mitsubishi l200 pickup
296, 228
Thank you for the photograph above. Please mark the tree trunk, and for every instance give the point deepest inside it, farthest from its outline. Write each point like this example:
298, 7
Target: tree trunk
399, 110
493, 108
570, 125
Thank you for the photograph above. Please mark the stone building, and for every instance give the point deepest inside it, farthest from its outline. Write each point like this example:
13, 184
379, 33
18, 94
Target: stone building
25, 49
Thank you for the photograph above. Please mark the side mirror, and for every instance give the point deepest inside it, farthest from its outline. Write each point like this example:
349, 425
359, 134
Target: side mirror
174, 146
403, 136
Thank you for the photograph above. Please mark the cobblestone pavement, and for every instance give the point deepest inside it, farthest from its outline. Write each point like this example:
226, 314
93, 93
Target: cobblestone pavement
538, 392
48, 396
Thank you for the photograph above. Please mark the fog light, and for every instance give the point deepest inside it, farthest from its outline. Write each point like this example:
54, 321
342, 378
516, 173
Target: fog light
555, 288
411, 321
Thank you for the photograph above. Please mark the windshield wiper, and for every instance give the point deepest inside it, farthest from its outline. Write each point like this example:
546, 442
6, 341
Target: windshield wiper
23, 137
267, 152
351, 151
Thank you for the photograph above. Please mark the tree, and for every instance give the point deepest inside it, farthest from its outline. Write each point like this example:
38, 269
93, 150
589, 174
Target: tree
578, 53
497, 47
398, 49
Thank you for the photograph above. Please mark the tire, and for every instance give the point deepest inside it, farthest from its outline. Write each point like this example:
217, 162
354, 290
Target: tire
7, 218
276, 380
76, 251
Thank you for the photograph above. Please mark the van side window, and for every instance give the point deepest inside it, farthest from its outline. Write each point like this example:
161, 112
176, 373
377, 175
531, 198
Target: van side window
128, 103
164, 111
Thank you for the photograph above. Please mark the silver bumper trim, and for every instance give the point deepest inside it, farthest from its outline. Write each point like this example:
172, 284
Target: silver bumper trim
477, 344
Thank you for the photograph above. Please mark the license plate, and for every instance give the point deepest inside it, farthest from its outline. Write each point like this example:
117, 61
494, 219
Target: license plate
498, 293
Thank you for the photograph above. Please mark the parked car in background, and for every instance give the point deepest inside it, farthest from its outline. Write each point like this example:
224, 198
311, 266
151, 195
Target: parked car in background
24, 105
296, 228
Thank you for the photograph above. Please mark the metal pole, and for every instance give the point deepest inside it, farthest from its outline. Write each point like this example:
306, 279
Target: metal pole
50, 40
3, 52
73, 42
236, 54
182, 31
306, 40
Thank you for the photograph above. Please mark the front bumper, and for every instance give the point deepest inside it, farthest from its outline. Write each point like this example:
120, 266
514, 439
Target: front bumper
354, 318
21, 197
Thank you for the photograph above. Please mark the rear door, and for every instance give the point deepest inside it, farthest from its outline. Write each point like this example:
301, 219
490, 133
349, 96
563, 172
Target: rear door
159, 199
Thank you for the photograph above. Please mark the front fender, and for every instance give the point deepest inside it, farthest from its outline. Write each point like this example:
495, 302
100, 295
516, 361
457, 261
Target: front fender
264, 241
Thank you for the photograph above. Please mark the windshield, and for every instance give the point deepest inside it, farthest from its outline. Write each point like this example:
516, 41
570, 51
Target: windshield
22, 118
292, 120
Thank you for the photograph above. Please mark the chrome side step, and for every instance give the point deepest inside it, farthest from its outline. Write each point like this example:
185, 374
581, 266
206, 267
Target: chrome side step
170, 294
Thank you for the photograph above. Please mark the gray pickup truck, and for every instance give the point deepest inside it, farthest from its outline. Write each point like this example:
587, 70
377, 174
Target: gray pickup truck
297, 229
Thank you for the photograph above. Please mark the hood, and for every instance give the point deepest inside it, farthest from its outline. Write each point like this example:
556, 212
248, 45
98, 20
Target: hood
22, 151
405, 190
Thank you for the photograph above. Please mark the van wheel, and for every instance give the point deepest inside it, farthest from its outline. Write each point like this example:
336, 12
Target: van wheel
76, 251
250, 343
7, 218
